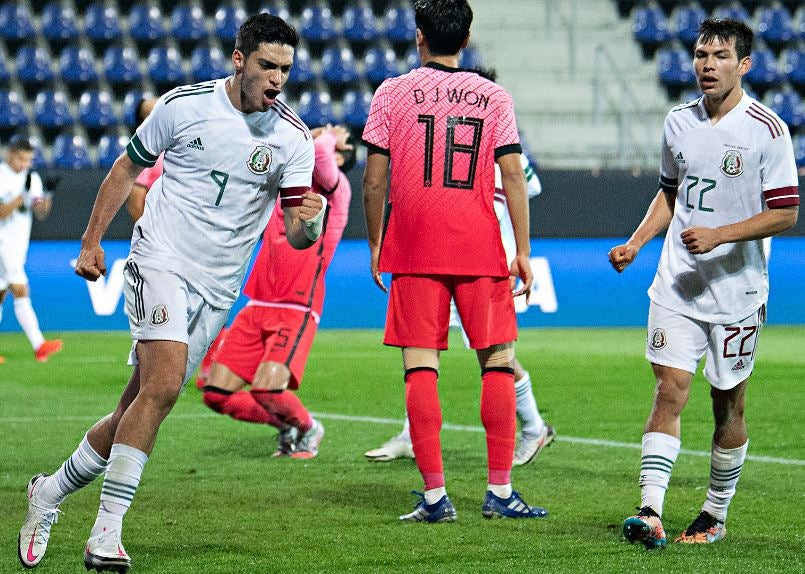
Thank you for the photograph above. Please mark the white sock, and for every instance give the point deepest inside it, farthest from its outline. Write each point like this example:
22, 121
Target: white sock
28, 321
530, 420
406, 432
123, 474
659, 455
725, 469
500, 490
434, 495
83, 466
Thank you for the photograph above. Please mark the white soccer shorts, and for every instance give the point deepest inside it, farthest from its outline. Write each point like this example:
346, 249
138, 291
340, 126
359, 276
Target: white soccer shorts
678, 341
163, 306
12, 267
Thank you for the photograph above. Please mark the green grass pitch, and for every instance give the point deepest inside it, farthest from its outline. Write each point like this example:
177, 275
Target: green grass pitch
213, 501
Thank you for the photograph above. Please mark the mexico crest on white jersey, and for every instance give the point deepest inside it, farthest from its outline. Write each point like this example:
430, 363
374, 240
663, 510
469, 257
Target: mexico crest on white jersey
260, 160
732, 165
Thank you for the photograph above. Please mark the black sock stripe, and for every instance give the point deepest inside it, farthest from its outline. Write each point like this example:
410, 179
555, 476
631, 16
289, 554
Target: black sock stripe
216, 390
413, 370
507, 370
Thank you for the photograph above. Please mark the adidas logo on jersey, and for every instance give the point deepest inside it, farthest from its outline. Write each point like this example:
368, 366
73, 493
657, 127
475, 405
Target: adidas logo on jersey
196, 144
679, 159
739, 366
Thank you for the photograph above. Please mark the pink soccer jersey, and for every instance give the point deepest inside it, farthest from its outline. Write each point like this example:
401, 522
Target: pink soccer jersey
149, 175
443, 129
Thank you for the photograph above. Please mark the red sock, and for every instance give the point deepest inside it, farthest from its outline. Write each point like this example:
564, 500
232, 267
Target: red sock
498, 404
286, 406
425, 416
240, 406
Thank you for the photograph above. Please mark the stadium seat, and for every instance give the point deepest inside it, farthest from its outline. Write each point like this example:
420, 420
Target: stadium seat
52, 112
799, 151
400, 24
228, 19
411, 59
315, 108
789, 106
275, 8
470, 58
764, 73
734, 10
359, 25
208, 63
34, 69
16, 25
12, 113
77, 68
165, 68
110, 146
380, 62
356, 108
775, 25
5, 73
102, 24
794, 67
131, 101
188, 25
799, 23
675, 70
317, 26
121, 66
338, 68
96, 112
685, 22
650, 28
145, 25
70, 151
302, 71
59, 25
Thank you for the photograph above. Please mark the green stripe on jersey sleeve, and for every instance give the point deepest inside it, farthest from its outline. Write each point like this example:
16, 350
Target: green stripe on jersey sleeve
138, 154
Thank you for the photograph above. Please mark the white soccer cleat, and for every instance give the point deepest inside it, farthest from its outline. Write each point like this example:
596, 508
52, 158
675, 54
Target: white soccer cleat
529, 448
395, 447
35, 531
105, 553
307, 445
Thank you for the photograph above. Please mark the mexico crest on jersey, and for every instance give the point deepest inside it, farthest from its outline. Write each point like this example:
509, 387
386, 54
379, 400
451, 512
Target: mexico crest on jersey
658, 340
733, 164
259, 160
159, 315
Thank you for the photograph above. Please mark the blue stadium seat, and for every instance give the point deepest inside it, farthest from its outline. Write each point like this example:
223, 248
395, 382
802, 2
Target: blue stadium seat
131, 102
188, 25
59, 24
102, 24
794, 66
356, 108
110, 146
70, 151
228, 19
400, 24
5, 73
789, 106
302, 71
799, 151
96, 112
16, 24
121, 66
145, 25
675, 70
764, 73
208, 63
275, 8
34, 69
338, 68
411, 59
165, 68
799, 23
12, 113
315, 108
358, 23
734, 10
52, 112
77, 68
380, 62
317, 25
650, 28
685, 22
775, 25
470, 58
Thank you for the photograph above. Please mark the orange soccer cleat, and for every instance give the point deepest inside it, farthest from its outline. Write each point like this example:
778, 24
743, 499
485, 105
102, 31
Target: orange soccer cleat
47, 348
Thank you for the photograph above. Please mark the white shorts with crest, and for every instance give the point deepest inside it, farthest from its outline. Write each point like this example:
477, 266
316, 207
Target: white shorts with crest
162, 306
677, 341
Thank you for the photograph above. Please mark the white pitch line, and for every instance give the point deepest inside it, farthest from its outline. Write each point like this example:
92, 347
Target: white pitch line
399, 423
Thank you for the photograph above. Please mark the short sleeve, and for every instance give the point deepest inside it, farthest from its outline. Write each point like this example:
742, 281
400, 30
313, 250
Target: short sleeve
376, 132
669, 170
506, 136
778, 173
297, 176
154, 135
37, 189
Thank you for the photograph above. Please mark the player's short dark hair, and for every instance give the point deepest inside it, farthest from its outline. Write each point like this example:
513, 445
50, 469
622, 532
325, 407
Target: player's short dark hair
20, 143
726, 29
445, 24
264, 28
348, 155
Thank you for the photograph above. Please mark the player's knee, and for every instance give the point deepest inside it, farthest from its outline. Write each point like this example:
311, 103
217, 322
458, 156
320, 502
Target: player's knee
272, 377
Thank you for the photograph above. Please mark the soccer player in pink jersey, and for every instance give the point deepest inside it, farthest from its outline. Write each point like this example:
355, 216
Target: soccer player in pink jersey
270, 339
440, 130
728, 180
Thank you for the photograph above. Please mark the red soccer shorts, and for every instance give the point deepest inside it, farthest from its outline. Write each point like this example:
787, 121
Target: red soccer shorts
268, 334
419, 310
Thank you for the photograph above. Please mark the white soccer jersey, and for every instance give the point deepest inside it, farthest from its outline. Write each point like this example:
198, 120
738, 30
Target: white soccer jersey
721, 174
223, 170
15, 230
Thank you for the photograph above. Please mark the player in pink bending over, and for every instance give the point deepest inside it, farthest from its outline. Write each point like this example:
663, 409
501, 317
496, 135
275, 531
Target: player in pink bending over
440, 130
268, 343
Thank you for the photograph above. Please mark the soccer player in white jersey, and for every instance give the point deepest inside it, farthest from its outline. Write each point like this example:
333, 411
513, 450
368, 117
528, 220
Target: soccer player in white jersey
230, 149
535, 433
21, 194
728, 181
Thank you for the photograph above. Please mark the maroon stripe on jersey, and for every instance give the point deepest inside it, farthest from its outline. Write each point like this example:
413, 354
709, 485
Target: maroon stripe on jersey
291, 191
762, 120
782, 197
289, 116
769, 116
